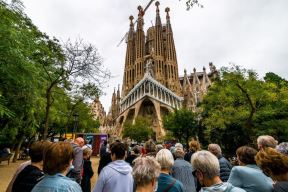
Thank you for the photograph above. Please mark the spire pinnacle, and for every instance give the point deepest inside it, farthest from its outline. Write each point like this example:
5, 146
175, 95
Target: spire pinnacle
157, 6
167, 13
131, 20
141, 12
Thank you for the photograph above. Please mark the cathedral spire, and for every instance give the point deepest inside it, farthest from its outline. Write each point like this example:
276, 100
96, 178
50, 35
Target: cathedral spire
158, 19
129, 60
138, 69
171, 60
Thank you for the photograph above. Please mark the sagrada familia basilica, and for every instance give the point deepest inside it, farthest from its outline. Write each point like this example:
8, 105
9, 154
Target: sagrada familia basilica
151, 84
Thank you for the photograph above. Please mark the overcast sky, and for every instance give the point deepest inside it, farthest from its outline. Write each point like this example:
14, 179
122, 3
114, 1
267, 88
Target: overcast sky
249, 33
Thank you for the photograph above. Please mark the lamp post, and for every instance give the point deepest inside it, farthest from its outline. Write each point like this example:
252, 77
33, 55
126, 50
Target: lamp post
75, 119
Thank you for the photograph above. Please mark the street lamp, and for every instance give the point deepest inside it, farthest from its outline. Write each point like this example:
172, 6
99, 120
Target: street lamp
75, 119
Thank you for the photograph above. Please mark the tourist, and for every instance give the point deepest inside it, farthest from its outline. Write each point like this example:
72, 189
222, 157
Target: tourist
266, 141
225, 165
103, 149
282, 148
207, 170
145, 173
194, 146
31, 174
248, 175
165, 181
275, 165
104, 160
56, 162
150, 148
135, 152
182, 171
75, 173
159, 147
87, 170
117, 175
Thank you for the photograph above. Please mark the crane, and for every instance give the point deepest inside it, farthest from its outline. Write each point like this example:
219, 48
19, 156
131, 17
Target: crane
126, 34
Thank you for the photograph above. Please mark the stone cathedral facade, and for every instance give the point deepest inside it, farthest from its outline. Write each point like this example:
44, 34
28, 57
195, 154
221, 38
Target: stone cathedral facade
151, 85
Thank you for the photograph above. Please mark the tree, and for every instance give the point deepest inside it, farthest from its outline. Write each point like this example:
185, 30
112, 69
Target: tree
81, 63
20, 74
239, 107
139, 131
183, 124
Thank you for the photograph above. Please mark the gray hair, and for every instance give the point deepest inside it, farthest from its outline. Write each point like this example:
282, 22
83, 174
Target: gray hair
282, 148
145, 169
178, 145
215, 149
165, 159
207, 163
178, 153
159, 147
267, 141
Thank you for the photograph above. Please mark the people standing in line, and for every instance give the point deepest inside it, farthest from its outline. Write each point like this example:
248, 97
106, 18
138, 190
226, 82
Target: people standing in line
145, 173
31, 174
87, 170
165, 181
248, 175
194, 146
104, 160
182, 171
135, 152
117, 175
77, 163
103, 149
207, 170
225, 165
266, 141
150, 148
275, 165
56, 162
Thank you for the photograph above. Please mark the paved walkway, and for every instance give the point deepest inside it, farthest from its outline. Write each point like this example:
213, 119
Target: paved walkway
7, 172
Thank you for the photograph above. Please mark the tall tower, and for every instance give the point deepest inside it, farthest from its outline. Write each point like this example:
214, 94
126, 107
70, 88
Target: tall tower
171, 65
139, 48
128, 77
158, 47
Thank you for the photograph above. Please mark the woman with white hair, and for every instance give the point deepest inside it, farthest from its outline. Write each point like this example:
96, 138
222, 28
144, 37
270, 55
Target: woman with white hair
207, 170
165, 181
145, 173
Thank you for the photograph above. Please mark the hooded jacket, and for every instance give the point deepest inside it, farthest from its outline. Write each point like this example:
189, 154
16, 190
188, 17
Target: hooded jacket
222, 187
116, 176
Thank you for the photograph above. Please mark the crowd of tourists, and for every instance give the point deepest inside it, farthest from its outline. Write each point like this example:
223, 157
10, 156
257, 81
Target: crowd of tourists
66, 166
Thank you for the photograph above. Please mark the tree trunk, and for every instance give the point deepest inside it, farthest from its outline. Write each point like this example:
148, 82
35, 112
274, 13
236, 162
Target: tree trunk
17, 150
47, 111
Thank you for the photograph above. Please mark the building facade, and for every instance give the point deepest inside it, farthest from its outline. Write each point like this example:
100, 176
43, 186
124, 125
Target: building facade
151, 85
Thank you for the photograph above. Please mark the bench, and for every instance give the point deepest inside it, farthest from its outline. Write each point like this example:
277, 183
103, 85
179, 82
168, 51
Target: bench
7, 158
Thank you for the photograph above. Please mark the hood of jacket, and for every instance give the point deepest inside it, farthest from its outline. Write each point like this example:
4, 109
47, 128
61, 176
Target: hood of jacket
221, 187
120, 166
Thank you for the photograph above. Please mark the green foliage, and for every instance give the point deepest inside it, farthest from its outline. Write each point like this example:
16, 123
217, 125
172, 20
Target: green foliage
139, 131
39, 79
239, 107
182, 124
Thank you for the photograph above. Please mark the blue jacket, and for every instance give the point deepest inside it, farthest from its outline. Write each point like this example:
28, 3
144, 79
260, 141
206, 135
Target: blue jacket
165, 180
222, 187
225, 168
182, 170
57, 183
116, 176
250, 178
